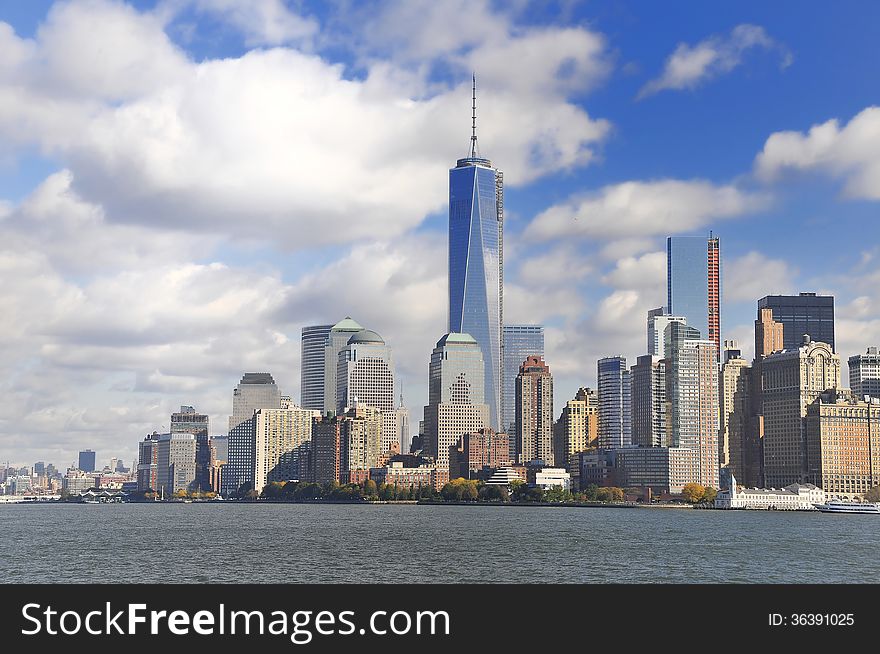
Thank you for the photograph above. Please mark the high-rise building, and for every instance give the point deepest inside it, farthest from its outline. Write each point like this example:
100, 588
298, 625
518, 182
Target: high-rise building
692, 394
519, 342
455, 396
658, 319
314, 341
479, 450
576, 431
187, 421
649, 401
365, 373
360, 442
694, 284
176, 463
326, 450
792, 380
736, 411
802, 314
337, 340
282, 437
864, 374
148, 463
87, 461
255, 391
404, 435
476, 281
534, 411
843, 443
615, 395
768, 334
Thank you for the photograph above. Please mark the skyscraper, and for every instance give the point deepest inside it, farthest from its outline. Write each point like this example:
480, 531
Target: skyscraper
657, 321
456, 396
692, 394
864, 374
792, 380
519, 342
314, 340
534, 411
805, 313
693, 278
256, 390
337, 339
769, 335
615, 413
649, 401
187, 421
176, 463
365, 373
87, 461
476, 282
404, 435
575, 432
735, 400
282, 436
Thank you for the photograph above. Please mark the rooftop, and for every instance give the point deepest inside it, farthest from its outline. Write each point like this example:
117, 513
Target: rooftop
347, 325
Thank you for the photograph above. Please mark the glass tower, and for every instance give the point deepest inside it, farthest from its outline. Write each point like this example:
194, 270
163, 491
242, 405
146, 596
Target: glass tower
476, 282
805, 313
693, 265
314, 339
615, 395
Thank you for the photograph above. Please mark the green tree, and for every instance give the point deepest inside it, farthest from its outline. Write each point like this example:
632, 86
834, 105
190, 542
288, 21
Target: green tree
693, 492
273, 490
873, 495
494, 493
591, 494
709, 495
370, 489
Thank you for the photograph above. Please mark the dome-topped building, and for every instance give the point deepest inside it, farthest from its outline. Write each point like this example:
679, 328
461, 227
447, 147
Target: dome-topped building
366, 336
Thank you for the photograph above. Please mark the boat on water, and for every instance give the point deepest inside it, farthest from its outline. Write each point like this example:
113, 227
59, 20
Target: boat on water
842, 506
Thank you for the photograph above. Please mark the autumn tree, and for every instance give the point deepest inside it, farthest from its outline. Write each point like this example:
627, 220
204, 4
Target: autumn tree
873, 495
709, 495
693, 492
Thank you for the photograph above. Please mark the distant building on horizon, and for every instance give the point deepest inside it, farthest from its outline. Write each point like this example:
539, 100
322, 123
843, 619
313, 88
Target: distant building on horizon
802, 314
87, 461
693, 278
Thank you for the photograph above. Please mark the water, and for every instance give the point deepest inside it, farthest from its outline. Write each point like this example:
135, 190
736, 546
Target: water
304, 543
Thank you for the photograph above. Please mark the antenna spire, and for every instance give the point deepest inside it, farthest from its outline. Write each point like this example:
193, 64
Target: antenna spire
474, 153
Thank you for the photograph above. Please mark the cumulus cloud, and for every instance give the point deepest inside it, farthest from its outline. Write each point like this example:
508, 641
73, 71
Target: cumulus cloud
645, 208
691, 65
262, 22
850, 153
754, 275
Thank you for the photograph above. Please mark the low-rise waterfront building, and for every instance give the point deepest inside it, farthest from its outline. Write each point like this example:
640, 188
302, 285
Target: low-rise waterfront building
794, 497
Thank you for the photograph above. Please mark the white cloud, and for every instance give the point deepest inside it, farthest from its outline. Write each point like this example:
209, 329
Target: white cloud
263, 22
754, 275
850, 153
689, 66
647, 272
640, 209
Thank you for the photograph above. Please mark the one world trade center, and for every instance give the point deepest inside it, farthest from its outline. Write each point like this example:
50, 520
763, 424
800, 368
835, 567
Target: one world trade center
476, 280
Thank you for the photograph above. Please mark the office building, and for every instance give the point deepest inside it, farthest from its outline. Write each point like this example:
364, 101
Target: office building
576, 431
534, 411
188, 421
660, 469
658, 319
314, 341
255, 391
476, 263
404, 435
337, 340
176, 463
843, 443
693, 279
282, 438
87, 461
360, 441
769, 334
792, 380
803, 314
649, 401
365, 373
736, 409
615, 395
864, 374
692, 393
519, 342
455, 396
148, 464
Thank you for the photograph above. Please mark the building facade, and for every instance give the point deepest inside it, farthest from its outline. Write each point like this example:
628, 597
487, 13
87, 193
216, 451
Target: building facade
534, 411
326, 450
803, 314
693, 278
791, 381
864, 373
282, 438
87, 461
337, 340
649, 401
313, 343
662, 469
176, 463
658, 319
736, 411
615, 395
519, 342
365, 373
360, 435
576, 431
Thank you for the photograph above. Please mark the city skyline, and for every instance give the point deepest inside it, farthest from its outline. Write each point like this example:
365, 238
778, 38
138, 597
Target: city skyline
110, 326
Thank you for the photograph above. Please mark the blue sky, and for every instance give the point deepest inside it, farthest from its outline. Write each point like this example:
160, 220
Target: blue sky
186, 183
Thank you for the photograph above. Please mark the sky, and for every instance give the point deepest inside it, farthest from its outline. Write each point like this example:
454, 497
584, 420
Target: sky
185, 184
